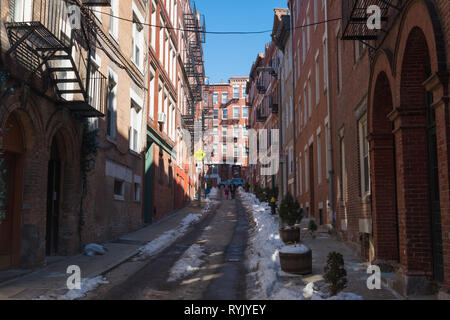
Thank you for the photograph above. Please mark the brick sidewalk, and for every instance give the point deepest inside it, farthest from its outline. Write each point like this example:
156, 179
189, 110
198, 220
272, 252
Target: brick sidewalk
51, 280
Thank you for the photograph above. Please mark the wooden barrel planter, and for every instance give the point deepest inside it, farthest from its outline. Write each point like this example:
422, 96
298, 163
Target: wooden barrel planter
296, 261
291, 235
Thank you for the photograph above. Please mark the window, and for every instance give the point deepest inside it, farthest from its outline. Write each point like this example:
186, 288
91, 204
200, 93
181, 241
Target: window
245, 112
215, 130
21, 10
224, 150
244, 131
161, 40
152, 94
343, 178
325, 64
153, 28
301, 176
112, 105
114, 22
215, 98
224, 131
216, 114
135, 126
137, 192
319, 159
119, 189
306, 171
308, 33
224, 98
206, 98
236, 132
137, 40
236, 93
339, 61
244, 152
236, 112
364, 156
303, 43
215, 149
305, 104
224, 114
309, 98
317, 73
236, 151
170, 177
291, 161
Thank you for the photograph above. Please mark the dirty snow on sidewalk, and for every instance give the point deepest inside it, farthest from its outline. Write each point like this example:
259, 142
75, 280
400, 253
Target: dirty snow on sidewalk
264, 262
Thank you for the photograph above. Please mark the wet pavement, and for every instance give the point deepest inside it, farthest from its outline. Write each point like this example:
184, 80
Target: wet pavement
222, 237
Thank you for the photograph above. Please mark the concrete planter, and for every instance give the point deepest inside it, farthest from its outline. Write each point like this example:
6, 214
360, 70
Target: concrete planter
296, 262
291, 235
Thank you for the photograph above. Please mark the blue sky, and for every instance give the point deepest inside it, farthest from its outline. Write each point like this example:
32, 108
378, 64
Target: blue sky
232, 55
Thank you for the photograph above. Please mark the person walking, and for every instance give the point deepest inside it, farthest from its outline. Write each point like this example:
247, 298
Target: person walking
227, 192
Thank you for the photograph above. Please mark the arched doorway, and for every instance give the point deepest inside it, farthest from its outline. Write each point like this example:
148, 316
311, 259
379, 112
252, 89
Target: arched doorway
11, 172
417, 173
53, 198
383, 167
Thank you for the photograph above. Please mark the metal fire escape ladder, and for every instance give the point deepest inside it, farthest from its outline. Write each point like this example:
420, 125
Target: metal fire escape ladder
45, 46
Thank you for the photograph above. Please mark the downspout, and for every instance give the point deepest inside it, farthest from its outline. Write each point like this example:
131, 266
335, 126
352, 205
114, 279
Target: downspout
328, 133
291, 21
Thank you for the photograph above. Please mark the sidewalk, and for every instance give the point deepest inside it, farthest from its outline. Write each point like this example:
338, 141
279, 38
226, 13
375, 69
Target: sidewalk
268, 281
51, 280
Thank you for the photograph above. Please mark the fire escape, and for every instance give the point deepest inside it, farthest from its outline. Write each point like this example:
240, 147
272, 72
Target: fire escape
50, 41
194, 65
355, 18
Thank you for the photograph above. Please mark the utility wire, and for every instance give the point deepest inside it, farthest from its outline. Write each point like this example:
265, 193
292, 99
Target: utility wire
213, 32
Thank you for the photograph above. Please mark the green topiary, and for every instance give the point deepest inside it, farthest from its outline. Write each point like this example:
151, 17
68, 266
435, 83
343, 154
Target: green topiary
290, 212
335, 273
312, 227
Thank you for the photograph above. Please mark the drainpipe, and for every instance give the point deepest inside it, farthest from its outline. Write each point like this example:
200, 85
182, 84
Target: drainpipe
291, 20
328, 133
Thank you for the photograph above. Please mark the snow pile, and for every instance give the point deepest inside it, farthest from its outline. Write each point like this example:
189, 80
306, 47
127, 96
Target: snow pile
87, 285
213, 192
300, 248
264, 262
169, 237
189, 263
265, 244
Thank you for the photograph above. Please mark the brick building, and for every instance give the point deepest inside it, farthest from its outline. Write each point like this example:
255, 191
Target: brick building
407, 126
263, 97
175, 80
71, 142
227, 122
311, 108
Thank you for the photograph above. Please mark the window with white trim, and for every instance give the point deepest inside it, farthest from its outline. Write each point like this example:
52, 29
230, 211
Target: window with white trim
364, 156
114, 22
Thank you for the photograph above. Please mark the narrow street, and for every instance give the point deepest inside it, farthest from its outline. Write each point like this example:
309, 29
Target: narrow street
220, 240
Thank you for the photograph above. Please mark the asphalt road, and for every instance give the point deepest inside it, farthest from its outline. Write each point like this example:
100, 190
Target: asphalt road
222, 237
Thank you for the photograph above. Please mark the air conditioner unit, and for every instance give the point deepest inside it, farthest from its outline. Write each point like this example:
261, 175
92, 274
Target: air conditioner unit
162, 117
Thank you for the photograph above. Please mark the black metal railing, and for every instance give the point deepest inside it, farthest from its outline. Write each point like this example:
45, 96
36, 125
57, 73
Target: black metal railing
355, 17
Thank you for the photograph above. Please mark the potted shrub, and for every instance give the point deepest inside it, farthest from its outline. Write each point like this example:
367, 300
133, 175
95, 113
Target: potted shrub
290, 215
296, 259
334, 273
312, 227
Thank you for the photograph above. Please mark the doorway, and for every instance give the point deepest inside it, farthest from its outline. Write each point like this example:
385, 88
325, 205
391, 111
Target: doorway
53, 200
11, 175
311, 179
433, 182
